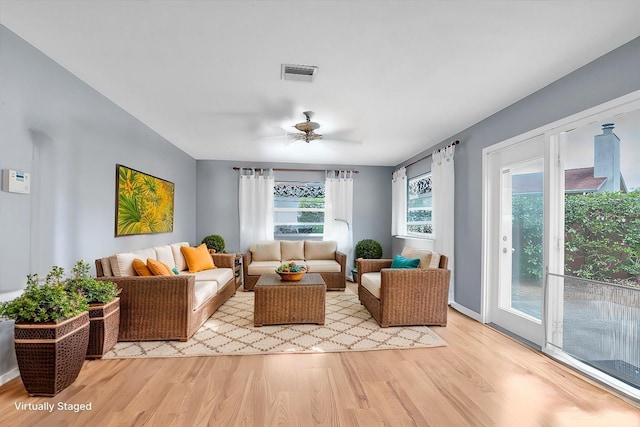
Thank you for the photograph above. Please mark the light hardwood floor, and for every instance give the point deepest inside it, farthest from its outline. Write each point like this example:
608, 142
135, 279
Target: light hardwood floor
482, 378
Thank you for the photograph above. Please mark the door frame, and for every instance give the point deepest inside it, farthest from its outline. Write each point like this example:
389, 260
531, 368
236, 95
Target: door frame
619, 105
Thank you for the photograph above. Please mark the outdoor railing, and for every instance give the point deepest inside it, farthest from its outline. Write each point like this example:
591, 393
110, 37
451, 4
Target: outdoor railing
597, 323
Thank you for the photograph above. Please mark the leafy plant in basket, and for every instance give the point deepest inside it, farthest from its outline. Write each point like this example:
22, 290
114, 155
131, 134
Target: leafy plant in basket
51, 333
104, 308
95, 291
49, 302
367, 249
215, 242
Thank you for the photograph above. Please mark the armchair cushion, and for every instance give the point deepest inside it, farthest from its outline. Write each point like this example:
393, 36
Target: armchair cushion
427, 258
372, 283
401, 262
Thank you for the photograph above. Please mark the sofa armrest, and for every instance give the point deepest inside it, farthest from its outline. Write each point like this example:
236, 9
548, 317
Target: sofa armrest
154, 307
224, 260
370, 266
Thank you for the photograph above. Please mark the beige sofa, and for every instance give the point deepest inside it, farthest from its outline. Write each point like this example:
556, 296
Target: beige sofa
166, 307
316, 256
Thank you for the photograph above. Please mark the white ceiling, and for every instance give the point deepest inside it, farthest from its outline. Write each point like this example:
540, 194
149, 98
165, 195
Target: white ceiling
397, 76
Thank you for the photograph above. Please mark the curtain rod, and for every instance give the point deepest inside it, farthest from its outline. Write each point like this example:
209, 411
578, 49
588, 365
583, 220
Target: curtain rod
235, 168
456, 142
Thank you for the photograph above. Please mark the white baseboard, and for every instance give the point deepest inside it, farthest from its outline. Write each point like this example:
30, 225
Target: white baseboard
8, 376
464, 310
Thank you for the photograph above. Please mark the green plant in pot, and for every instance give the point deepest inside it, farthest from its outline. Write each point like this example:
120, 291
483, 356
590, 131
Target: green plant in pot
51, 333
104, 308
214, 242
367, 249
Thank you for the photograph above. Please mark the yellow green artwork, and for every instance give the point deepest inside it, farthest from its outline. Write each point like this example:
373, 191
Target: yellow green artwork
144, 205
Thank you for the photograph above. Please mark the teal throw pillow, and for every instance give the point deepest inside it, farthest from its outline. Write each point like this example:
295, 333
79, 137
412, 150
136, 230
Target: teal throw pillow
175, 271
401, 262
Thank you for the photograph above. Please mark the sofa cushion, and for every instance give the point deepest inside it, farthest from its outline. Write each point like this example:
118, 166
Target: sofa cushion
178, 258
145, 253
322, 266
141, 268
220, 275
203, 290
257, 268
427, 258
106, 266
158, 268
371, 282
165, 254
122, 264
268, 250
198, 259
320, 250
292, 249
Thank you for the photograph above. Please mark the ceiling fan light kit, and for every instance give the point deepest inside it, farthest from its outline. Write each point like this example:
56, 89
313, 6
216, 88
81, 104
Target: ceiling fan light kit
307, 127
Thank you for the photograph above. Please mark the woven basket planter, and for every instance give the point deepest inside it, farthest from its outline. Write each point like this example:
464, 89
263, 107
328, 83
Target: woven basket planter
105, 322
50, 355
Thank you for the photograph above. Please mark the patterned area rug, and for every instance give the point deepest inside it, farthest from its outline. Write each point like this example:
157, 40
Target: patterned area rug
230, 331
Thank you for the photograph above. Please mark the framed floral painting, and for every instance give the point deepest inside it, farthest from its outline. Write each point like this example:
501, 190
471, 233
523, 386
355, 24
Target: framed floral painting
144, 203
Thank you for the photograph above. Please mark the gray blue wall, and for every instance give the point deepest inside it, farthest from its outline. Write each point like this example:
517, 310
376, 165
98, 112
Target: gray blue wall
69, 137
217, 201
611, 76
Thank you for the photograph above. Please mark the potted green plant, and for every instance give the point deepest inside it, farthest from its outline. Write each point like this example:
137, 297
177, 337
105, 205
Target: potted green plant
51, 333
367, 249
214, 242
104, 309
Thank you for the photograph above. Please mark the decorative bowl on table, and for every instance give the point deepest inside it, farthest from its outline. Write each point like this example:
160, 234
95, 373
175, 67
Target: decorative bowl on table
291, 272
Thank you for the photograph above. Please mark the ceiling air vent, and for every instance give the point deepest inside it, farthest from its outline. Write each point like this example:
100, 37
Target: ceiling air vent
301, 73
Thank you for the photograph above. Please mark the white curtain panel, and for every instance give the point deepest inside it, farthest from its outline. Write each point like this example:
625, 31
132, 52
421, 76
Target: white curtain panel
255, 206
338, 212
443, 182
399, 202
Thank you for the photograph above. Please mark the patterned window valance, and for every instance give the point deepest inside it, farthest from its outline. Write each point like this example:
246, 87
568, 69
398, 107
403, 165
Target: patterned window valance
298, 190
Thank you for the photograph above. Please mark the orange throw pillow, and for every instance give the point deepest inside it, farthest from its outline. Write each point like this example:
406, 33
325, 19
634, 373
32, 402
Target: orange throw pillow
198, 259
158, 268
141, 268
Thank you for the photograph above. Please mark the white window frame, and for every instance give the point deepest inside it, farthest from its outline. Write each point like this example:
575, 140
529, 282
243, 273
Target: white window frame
296, 210
410, 209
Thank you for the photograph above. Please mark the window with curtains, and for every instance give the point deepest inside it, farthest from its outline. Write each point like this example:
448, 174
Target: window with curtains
419, 206
298, 210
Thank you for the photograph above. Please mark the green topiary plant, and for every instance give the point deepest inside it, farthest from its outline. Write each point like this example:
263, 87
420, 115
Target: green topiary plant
215, 242
49, 302
96, 291
368, 249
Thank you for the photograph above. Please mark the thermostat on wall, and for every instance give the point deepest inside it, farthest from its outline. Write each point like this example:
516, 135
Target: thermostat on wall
16, 181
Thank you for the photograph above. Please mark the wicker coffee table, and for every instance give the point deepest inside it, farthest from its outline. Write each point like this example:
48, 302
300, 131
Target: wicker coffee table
278, 302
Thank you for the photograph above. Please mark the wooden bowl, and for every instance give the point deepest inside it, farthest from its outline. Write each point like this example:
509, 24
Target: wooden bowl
291, 277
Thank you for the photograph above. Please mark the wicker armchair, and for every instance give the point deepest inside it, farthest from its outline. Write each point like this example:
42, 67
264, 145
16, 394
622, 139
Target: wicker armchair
407, 296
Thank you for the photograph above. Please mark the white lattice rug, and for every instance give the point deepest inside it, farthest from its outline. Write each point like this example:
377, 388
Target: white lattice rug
230, 331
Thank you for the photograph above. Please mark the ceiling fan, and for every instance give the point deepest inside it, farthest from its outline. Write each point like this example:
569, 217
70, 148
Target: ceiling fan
307, 128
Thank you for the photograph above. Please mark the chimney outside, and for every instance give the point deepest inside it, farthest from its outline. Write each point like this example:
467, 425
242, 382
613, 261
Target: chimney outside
607, 158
